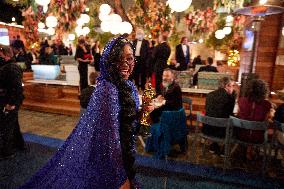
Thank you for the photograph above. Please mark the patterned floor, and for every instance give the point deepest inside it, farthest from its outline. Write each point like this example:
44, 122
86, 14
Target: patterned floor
60, 126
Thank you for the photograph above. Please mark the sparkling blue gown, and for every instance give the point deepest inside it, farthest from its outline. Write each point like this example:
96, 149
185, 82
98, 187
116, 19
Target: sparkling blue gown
91, 157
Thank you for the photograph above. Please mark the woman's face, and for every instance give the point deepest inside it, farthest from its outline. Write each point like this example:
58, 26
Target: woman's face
126, 63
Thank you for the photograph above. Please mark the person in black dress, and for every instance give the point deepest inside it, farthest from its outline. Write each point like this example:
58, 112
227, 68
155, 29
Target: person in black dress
84, 58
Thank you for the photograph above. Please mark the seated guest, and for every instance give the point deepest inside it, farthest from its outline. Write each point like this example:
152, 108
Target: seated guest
207, 68
220, 104
254, 106
279, 116
87, 92
170, 98
49, 58
197, 61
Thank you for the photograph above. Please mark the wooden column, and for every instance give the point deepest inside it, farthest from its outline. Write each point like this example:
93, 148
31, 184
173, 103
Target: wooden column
267, 47
278, 73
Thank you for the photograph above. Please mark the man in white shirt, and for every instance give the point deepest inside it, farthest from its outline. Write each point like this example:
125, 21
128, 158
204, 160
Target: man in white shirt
141, 47
182, 54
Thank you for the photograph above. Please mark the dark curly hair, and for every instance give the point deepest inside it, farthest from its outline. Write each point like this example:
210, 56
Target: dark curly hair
257, 90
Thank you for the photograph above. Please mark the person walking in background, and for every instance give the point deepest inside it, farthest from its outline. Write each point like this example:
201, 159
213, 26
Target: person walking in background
69, 50
11, 98
96, 52
141, 47
183, 54
161, 55
84, 58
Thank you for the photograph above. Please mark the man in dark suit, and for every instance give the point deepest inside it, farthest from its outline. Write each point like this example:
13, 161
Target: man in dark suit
11, 98
141, 46
87, 92
207, 68
182, 54
170, 98
161, 55
219, 103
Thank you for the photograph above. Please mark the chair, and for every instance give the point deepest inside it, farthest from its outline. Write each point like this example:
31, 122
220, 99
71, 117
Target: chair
170, 130
251, 125
217, 122
275, 143
188, 101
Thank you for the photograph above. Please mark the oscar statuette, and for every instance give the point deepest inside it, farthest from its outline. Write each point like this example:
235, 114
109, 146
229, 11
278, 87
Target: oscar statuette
145, 119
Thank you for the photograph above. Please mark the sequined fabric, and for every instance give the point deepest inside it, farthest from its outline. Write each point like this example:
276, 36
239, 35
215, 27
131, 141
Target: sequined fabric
92, 156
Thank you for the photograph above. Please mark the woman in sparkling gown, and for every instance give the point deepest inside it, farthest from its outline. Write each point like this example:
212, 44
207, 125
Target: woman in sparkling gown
99, 153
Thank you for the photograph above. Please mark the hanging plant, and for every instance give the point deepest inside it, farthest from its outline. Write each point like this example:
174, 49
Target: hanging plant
201, 22
230, 41
155, 18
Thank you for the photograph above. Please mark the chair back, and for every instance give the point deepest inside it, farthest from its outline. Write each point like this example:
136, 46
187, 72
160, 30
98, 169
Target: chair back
279, 126
173, 130
254, 126
188, 101
213, 121
216, 122
173, 124
251, 125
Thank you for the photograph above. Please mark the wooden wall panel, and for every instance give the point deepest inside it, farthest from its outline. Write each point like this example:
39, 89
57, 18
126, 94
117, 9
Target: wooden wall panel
278, 72
267, 48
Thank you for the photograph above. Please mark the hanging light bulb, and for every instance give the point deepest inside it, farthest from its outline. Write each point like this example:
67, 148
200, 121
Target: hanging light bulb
51, 21
105, 9
85, 18
42, 2
50, 31
45, 8
86, 30
219, 34
125, 27
79, 30
179, 5
115, 18
71, 37
41, 25
227, 30
229, 19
